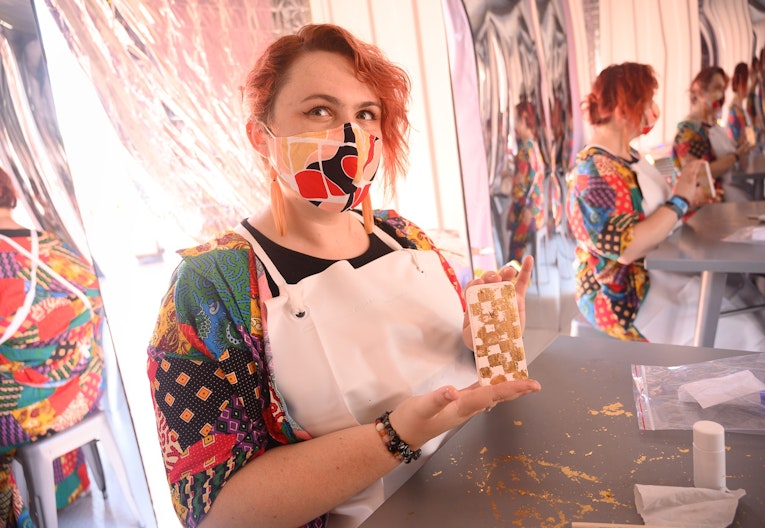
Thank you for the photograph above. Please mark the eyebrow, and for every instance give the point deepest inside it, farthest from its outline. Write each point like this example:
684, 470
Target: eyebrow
334, 100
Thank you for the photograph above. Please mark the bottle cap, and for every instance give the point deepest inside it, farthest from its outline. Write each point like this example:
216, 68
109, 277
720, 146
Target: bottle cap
708, 435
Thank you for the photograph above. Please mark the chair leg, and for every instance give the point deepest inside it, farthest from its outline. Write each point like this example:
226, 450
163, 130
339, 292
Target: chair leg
113, 455
42, 492
93, 458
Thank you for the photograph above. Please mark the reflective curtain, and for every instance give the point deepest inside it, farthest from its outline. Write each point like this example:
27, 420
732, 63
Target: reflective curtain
524, 100
169, 73
31, 148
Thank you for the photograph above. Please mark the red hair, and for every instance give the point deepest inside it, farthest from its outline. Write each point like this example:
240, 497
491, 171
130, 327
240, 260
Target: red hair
740, 77
628, 87
7, 192
704, 78
389, 82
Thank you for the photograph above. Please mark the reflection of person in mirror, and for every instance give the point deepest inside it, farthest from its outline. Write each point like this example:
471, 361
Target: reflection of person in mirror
51, 353
738, 120
526, 214
620, 207
282, 344
699, 135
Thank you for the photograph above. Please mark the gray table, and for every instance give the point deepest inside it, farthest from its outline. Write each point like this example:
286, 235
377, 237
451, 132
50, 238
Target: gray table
752, 168
697, 247
572, 452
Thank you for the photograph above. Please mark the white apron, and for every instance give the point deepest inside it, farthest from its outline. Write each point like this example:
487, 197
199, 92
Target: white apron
347, 344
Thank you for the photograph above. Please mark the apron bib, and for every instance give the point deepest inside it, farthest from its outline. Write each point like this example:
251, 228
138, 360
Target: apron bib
349, 343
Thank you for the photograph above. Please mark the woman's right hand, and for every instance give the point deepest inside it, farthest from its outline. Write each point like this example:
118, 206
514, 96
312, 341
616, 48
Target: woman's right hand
688, 180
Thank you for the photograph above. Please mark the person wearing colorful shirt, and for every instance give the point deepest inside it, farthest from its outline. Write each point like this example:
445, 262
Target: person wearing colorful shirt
620, 207
700, 137
51, 355
282, 344
526, 214
737, 118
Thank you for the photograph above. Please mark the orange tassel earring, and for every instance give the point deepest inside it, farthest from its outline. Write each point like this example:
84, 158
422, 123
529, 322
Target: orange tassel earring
366, 213
277, 205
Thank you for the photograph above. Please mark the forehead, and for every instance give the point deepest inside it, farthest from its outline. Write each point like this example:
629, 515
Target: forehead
717, 81
327, 73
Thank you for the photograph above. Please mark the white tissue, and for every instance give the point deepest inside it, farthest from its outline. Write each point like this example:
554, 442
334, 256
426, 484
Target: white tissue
758, 233
712, 391
686, 507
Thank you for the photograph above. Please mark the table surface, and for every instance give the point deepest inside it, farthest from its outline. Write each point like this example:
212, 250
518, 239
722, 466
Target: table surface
697, 245
572, 452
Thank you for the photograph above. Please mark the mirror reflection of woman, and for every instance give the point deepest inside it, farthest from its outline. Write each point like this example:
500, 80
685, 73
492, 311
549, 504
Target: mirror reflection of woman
700, 137
620, 207
526, 214
51, 355
738, 120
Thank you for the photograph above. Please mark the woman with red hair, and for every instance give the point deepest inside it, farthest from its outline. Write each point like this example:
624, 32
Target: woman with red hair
737, 117
299, 358
699, 136
619, 208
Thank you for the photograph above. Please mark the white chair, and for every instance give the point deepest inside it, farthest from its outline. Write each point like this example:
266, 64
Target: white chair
37, 458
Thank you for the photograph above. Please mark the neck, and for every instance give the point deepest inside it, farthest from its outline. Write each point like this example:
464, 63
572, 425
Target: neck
6, 222
614, 137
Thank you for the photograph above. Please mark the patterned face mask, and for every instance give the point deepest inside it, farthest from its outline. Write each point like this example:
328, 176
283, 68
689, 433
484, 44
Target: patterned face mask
332, 169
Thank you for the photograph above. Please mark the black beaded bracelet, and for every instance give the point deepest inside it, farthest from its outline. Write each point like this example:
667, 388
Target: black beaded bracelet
393, 442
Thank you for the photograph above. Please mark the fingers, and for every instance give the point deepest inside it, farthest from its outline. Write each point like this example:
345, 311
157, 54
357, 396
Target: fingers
479, 399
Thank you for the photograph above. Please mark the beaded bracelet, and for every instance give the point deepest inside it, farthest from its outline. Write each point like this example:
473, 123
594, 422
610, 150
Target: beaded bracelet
393, 442
678, 204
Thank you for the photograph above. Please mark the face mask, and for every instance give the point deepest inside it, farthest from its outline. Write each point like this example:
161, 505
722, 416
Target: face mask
650, 116
332, 169
717, 98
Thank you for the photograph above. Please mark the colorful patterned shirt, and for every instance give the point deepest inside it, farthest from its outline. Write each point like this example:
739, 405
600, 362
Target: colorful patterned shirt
692, 137
216, 401
736, 122
526, 214
604, 205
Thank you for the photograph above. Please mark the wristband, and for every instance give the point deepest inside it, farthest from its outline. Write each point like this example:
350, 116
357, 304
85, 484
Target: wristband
397, 447
678, 204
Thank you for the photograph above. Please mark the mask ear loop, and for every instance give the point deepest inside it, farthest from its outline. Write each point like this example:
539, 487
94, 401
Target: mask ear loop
277, 205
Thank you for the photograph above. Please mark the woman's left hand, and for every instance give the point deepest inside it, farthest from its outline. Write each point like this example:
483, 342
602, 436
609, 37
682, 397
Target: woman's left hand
507, 273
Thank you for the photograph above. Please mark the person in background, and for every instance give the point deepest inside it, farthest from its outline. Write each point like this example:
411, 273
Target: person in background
738, 120
753, 99
51, 355
526, 213
282, 345
699, 136
620, 207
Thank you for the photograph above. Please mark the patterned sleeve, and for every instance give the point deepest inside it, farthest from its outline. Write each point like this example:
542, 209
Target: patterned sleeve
736, 122
602, 208
215, 405
690, 139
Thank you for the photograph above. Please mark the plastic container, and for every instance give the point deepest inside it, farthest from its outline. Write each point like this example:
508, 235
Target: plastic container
709, 455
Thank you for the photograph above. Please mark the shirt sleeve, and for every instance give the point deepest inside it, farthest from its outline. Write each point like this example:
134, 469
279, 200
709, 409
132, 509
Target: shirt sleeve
215, 404
689, 140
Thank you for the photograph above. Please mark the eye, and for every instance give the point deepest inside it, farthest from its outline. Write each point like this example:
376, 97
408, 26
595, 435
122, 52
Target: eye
367, 115
319, 111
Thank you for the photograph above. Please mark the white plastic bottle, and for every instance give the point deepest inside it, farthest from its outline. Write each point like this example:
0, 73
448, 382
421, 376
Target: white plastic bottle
709, 455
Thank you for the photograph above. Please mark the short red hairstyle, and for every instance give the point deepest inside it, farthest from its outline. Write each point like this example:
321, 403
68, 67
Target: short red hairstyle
704, 78
7, 192
628, 87
389, 82
740, 78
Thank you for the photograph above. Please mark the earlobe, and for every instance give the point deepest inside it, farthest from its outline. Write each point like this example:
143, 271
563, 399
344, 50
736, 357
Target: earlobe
255, 135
